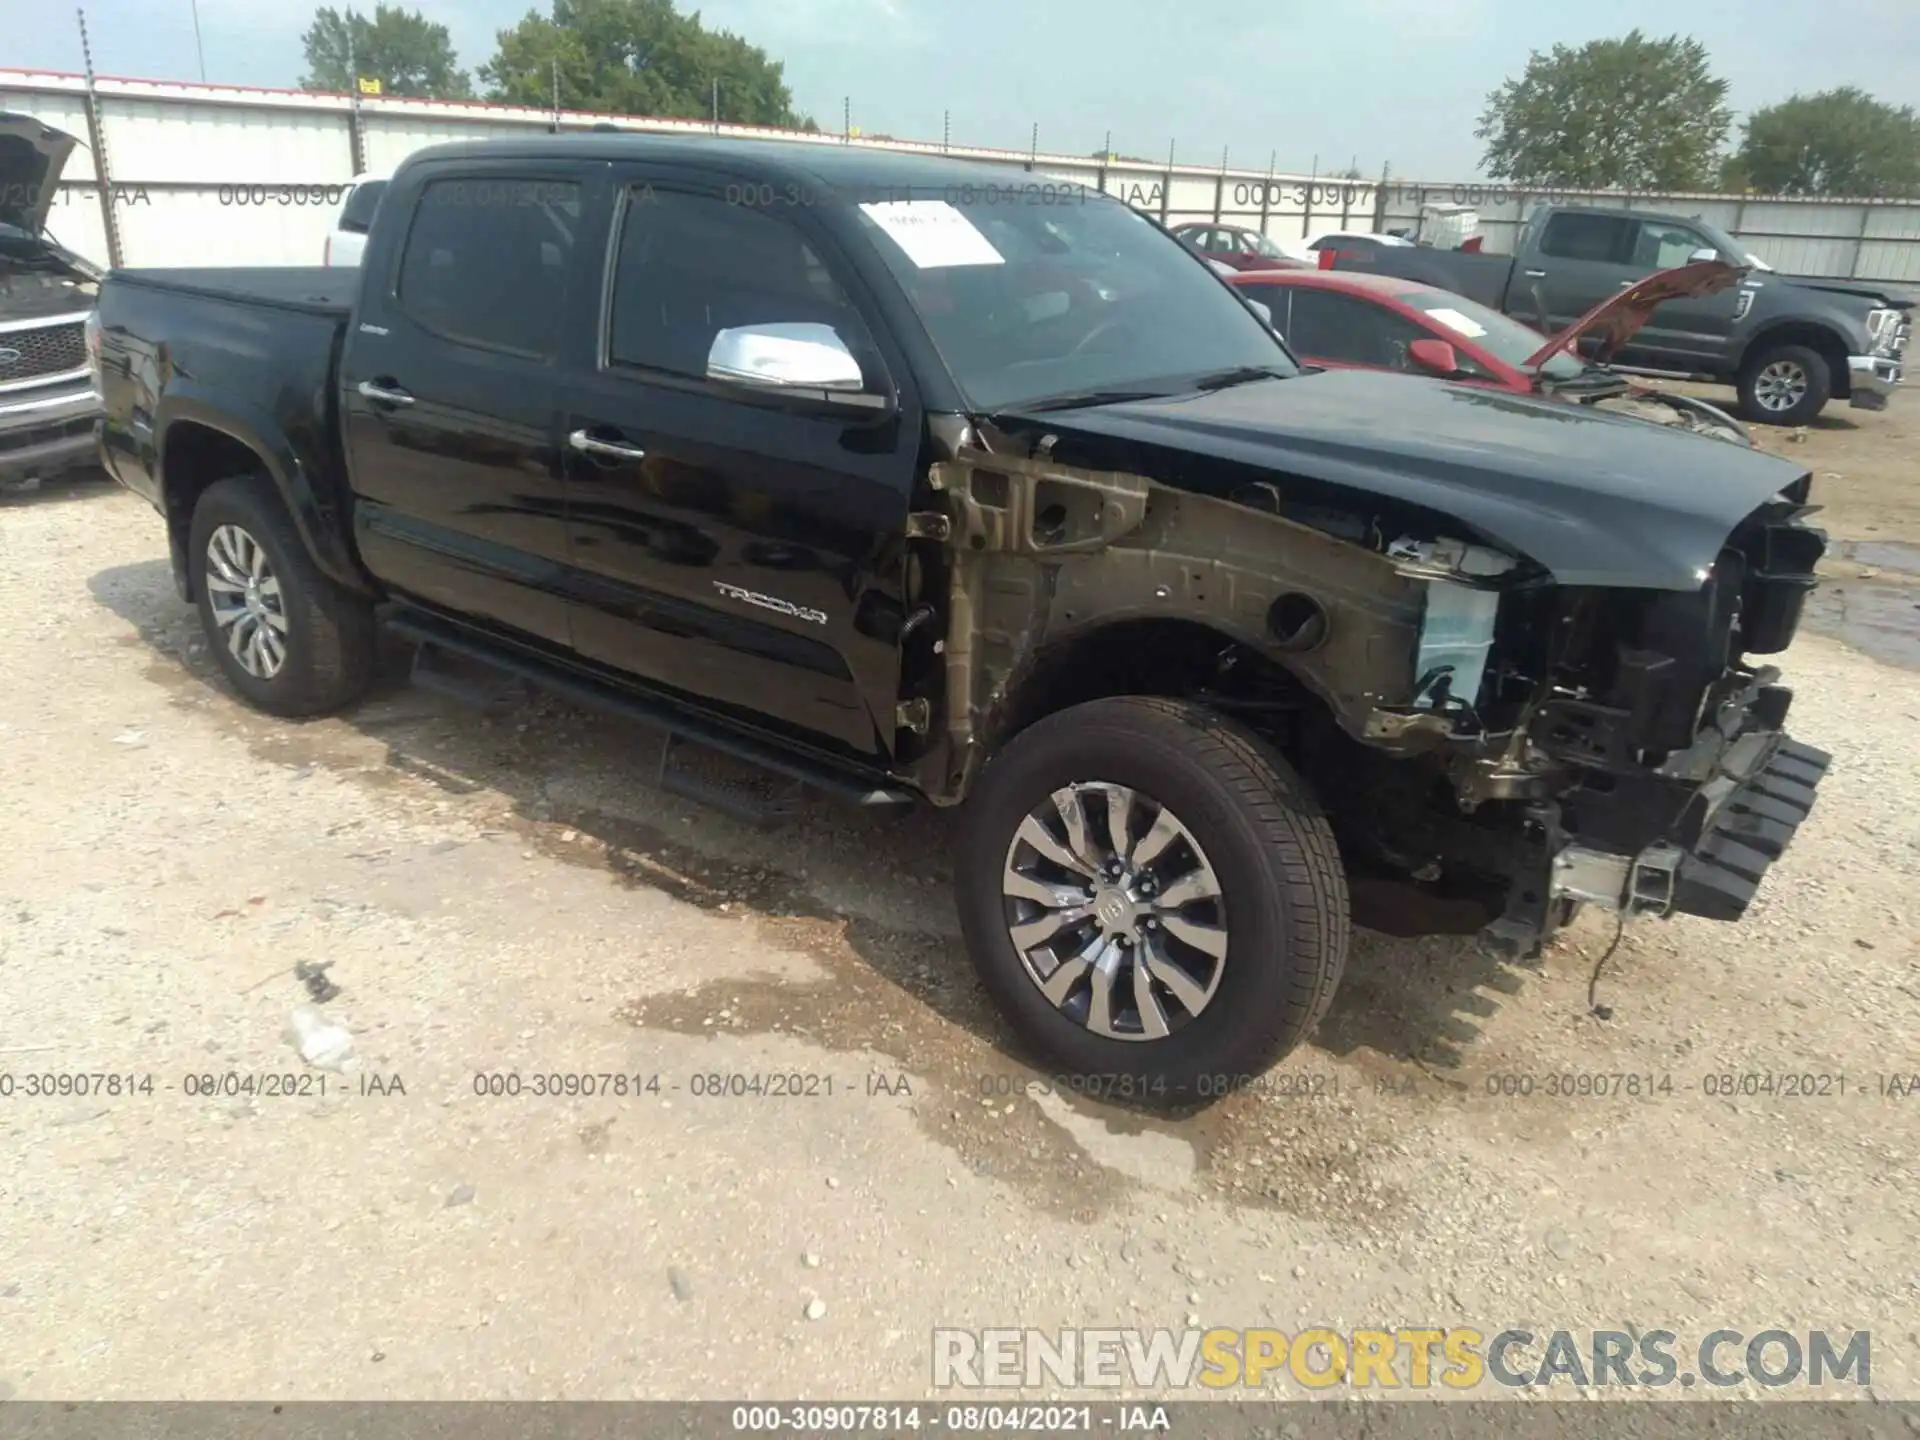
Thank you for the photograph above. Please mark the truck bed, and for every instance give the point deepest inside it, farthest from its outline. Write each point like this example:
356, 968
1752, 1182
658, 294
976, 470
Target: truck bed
315, 289
1478, 277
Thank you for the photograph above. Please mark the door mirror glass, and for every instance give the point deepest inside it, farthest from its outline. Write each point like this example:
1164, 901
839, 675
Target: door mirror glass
1705, 252
1264, 311
1436, 357
799, 358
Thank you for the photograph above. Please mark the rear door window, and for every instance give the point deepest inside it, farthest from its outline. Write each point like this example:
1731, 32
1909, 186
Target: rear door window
1571, 235
487, 260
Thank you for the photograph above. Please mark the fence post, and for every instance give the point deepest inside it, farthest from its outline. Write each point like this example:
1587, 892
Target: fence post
1266, 191
1860, 240
1306, 214
1166, 189
1380, 199
97, 139
1220, 186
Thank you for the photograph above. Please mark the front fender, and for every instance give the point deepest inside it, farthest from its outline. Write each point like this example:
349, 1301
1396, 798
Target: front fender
1837, 332
306, 494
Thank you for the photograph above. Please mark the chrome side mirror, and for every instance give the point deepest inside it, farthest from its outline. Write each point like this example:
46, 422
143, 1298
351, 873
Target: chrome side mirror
1261, 309
1705, 252
800, 358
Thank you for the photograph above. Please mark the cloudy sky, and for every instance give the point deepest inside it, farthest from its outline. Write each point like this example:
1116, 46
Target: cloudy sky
1383, 81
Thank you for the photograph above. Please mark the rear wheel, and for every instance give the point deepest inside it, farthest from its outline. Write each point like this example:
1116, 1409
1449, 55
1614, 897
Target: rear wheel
1785, 385
287, 638
1152, 898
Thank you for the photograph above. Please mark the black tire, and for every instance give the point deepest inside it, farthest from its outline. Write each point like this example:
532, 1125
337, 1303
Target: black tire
1783, 361
329, 639
1286, 916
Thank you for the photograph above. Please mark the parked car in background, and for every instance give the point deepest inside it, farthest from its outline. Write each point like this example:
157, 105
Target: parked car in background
48, 403
1788, 344
1238, 248
1377, 322
1353, 240
1212, 264
348, 238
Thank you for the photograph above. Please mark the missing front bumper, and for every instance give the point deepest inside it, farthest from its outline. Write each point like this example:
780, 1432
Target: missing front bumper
1752, 822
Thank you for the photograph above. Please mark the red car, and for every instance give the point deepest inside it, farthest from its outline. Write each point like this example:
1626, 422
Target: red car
1340, 319
1237, 247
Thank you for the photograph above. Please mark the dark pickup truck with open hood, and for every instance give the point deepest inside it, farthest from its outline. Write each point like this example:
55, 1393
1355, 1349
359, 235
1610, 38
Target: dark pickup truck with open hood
1788, 344
48, 406
908, 486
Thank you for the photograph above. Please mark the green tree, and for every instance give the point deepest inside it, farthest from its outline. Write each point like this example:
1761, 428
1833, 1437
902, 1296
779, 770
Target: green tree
1632, 113
637, 57
1837, 142
407, 53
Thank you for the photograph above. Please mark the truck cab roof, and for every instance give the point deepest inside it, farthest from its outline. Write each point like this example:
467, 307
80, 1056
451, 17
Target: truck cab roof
849, 166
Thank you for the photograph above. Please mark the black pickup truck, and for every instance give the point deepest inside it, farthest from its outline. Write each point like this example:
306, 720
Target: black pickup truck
1787, 343
907, 485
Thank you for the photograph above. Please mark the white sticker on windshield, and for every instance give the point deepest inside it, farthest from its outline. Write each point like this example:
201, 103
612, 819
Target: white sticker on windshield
1454, 320
933, 233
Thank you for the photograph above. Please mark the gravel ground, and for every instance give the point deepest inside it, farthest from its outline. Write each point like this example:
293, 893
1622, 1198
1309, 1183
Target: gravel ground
513, 895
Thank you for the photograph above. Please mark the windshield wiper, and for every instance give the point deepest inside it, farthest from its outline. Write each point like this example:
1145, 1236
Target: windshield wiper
1078, 399
1239, 375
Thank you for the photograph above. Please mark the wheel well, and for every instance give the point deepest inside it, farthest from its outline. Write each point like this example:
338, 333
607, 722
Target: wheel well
1818, 338
197, 456
1172, 658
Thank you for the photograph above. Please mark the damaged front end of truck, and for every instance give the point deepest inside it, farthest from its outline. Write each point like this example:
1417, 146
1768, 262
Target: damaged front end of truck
1497, 734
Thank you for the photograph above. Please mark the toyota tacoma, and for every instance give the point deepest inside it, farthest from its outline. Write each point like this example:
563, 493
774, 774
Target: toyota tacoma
908, 486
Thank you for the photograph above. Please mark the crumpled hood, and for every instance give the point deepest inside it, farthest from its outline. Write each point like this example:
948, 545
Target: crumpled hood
32, 155
1618, 318
1596, 499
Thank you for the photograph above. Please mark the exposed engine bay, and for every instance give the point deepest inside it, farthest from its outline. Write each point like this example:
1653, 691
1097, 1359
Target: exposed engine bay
1680, 411
1493, 747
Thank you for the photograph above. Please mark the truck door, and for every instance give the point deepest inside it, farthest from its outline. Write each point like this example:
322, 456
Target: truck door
1681, 334
1583, 257
743, 548
448, 400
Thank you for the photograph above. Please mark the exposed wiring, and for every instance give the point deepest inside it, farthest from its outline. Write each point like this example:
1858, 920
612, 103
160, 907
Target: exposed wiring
1594, 1008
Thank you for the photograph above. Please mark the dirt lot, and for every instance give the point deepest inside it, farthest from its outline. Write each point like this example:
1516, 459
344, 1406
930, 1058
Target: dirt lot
515, 896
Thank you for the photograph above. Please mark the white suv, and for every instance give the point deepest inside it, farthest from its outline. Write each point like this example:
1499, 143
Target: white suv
348, 238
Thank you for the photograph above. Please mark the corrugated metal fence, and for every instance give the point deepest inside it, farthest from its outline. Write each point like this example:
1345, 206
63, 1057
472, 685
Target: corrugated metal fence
220, 175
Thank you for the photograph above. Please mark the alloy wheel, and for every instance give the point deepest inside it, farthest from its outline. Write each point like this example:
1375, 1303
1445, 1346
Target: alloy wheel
244, 596
1780, 385
1115, 911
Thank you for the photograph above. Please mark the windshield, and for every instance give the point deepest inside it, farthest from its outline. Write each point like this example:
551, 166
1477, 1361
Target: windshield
1503, 338
1263, 246
1031, 301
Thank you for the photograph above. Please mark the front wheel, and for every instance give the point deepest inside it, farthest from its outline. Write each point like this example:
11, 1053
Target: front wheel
1785, 385
1152, 898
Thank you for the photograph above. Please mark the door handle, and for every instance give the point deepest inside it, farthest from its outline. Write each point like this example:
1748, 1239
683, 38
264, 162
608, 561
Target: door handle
1536, 274
611, 449
1625, 283
384, 394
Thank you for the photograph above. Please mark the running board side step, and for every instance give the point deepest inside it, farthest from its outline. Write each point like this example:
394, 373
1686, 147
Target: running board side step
432, 671
686, 735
